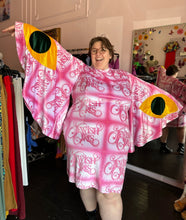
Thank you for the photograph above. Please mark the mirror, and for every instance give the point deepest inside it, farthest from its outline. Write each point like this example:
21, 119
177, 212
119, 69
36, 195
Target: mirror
164, 45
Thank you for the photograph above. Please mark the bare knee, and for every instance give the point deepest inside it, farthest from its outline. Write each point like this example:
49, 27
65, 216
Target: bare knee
108, 196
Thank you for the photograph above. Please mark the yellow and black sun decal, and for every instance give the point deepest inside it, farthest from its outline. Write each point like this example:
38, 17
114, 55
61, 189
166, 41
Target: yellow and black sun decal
158, 106
41, 46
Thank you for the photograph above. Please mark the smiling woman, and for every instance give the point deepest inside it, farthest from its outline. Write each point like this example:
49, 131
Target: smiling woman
101, 52
103, 124
100, 57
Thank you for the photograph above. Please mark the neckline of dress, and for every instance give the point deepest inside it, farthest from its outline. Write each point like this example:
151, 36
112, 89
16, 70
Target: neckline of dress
106, 70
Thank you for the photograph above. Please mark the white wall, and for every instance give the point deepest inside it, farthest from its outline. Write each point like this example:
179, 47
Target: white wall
80, 20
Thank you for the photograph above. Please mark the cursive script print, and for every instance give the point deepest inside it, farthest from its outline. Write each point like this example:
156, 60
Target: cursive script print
83, 132
43, 83
85, 82
120, 109
146, 135
84, 162
61, 95
87, 105
116, 167
119, 137
123, 86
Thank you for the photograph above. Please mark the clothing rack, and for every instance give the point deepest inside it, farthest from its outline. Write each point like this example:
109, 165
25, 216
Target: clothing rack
117, 54
84, 49
6, 71
85, 57
77, 50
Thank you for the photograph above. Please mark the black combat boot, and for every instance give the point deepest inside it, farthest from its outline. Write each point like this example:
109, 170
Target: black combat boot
92, 215
164, 148
181, 148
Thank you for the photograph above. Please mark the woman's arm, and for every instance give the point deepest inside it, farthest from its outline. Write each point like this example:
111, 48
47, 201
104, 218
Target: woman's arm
10, 30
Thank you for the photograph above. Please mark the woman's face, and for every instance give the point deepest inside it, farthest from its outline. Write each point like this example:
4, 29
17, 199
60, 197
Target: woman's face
100, 56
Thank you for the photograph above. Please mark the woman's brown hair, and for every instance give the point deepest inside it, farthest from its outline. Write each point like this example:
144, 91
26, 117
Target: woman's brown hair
171, 70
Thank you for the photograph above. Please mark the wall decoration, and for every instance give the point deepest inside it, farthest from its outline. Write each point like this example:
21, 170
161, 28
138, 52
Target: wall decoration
171, 46
171, 32
140, 37
146, 37
166, 43
180, 31
4, 10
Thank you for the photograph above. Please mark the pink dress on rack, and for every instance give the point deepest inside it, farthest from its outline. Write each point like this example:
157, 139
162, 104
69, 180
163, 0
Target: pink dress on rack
112, 111
177, 89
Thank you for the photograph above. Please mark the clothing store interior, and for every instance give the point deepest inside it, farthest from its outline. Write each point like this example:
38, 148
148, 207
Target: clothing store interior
45, 192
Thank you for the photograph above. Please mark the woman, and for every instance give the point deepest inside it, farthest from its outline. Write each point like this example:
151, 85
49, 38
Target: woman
167, 80
110, 113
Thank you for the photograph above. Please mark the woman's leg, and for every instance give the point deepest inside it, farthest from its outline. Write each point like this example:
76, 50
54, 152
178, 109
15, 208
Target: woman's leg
181, 140
89, 199
164, 148
110, 205
180, 204
164, 136
181, 134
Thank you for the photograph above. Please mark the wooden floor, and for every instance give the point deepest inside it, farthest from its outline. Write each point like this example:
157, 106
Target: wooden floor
50, 196
150, 158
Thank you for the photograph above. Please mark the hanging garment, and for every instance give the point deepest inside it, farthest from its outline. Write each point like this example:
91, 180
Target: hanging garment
83, 57
30, 143
112, 110
36, 131
17, 82
61, 148
20, 211
2, 171
7, 83
114, 63
8, 186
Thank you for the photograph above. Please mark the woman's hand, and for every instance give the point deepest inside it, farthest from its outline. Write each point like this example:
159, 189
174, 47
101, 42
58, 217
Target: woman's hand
10, 30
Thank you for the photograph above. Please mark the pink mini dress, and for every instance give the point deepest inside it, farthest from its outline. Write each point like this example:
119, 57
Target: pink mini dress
112, 111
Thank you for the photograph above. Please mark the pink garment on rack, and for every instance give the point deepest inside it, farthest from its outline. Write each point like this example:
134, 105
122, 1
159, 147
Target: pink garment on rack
114, 63
105, 121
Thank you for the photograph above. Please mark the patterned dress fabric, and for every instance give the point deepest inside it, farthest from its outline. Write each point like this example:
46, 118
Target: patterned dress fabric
105, 121
177, 89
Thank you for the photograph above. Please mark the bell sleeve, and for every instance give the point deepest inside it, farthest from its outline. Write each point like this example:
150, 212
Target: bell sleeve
50, 74
151, 109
